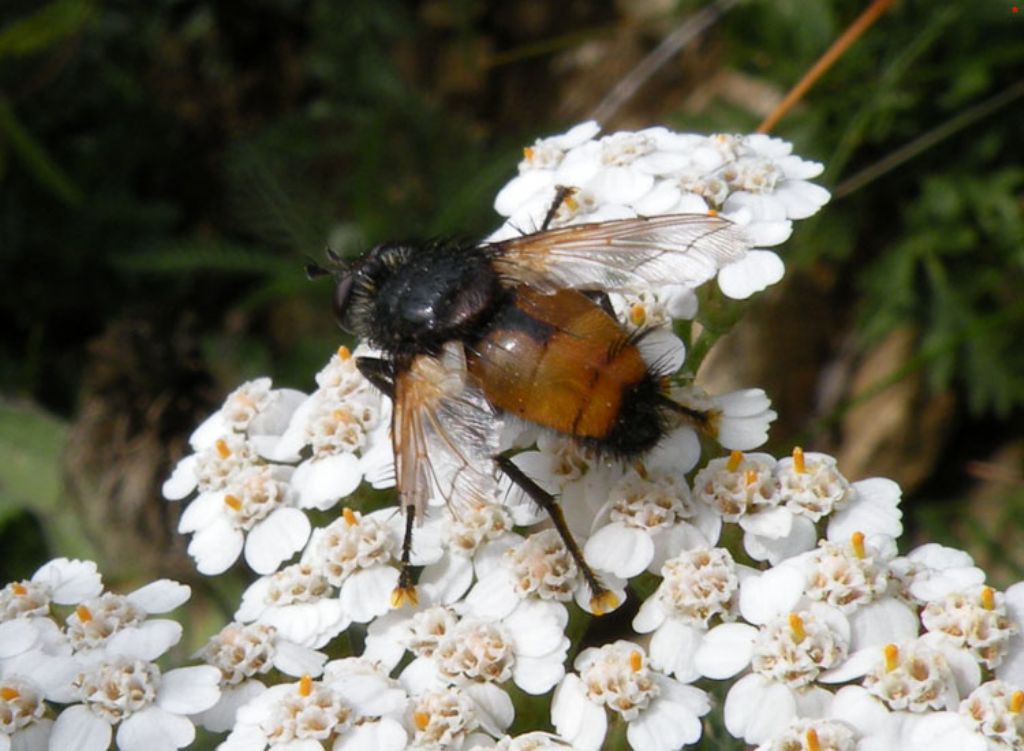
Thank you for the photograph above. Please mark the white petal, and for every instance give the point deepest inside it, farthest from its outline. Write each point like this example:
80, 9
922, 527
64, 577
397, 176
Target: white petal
35, 737
537, 676
209, 430
854, 705
276, 539
202, 512
874, 510
663, 199
522, 189
383, 735
679, 451
802, 537
183, 479
216, 547
650, 615
296, 660
189, 690
756, 708
575, 718
725, 650
275, 418
70, 581
448, 580
773, 593
220, 718
493, 597
78, 729
774, 523
802, 199
367, 594
664, 726
420, 676
154, 729
161, 596
674, 648
662, 350
538, 627
886, 621
756, 271
147, 641
493, 706
17, 636
321, 483
623, 550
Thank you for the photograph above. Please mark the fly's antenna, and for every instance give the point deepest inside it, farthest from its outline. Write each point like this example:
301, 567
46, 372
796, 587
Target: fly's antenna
315, 269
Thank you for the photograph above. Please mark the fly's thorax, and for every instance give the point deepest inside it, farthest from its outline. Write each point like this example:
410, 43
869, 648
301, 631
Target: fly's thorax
413, 298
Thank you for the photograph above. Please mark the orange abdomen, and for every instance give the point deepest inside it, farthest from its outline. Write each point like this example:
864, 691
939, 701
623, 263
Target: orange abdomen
561, 361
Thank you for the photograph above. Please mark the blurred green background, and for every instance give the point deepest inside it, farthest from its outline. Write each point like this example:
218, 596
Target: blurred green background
167, 168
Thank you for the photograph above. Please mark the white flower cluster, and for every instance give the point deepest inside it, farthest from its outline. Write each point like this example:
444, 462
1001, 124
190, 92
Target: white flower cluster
755, 180
68, 648
829, 638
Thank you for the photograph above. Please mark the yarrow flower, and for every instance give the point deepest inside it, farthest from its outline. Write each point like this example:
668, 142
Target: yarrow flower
660, 713
831, 642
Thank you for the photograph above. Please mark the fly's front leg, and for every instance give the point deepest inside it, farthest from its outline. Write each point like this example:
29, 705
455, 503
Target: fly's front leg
602, 600
379, 372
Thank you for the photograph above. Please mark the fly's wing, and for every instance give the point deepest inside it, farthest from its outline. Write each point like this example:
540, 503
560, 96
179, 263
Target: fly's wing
671, 249
444, 433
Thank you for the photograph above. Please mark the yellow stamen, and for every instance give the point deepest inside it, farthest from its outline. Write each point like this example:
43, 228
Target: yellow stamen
712, 212
7, 693
402, 596
341, 414
305, 685
604, 602
233, 502
796, 626
636, 661
570, 202
528, 156
222, 448
892, 656
349, 516
735, 460
857, 542
20, 590
813, 744
798, 461
422, 719
988, 598
1017, 702
637, 315
640, 469
751, 476
344, 352
84, 614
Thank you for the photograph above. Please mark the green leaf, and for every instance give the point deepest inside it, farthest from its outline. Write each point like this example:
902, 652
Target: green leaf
44, 28
31, 443
35, 158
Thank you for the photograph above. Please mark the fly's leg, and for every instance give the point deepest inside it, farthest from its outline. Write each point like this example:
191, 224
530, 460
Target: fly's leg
381, 373
602, 600
561, 194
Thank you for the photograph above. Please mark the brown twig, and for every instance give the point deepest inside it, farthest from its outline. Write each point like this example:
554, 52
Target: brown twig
833, 53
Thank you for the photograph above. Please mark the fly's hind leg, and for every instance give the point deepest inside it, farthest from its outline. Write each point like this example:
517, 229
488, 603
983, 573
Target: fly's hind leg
602, 600
562, 193
381, 373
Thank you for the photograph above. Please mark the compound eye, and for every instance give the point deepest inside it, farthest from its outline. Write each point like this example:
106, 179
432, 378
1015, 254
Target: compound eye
342, 298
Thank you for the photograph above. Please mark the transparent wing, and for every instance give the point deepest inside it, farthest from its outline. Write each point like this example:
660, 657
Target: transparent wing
670, 249
445, 434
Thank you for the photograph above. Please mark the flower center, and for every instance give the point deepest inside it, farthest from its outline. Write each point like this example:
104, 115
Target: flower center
296, 583
620, 679
542, 566
116, 689
311, 711
650, 504
811, 485
96, 620
256, 493
443, 718
913, 677
21, 704
845, 577
19, 599
241, 651
698, 584
351, 543
738, 485
478, 651
978, 622
795, 648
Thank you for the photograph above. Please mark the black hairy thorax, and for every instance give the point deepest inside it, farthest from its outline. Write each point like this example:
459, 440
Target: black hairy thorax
411, 299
